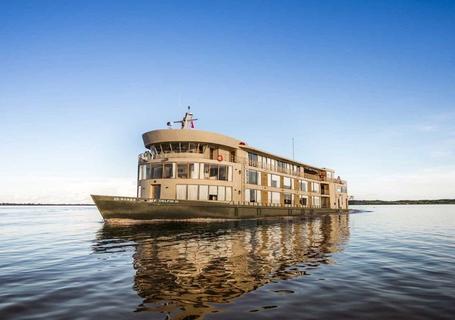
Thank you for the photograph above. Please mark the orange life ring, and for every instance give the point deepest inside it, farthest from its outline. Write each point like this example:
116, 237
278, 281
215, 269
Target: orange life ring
219, 158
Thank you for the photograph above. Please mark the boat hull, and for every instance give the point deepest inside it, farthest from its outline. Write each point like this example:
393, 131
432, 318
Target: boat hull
118, 208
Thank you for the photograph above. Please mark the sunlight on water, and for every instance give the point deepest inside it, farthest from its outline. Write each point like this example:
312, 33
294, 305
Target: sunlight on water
389, 262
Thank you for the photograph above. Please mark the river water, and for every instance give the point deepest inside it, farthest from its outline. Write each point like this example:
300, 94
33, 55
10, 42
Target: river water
387, 262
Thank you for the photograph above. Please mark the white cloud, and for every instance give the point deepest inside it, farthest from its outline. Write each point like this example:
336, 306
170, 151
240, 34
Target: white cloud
52, 189
435, 183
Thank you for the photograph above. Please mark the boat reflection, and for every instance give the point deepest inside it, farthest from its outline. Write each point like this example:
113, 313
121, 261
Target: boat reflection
184, 269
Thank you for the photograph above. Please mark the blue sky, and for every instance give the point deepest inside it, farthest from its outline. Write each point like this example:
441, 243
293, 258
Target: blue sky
364, 87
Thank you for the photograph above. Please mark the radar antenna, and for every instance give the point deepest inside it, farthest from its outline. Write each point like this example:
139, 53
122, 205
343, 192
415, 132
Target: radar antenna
187, 122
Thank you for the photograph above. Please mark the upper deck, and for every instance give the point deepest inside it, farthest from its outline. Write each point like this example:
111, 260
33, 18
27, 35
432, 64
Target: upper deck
192, 143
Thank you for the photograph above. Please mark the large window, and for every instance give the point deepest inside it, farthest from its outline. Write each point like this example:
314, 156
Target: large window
177, 147
303, 201
213, 172
252, 195
252, 159
192, 192
168, 171
303, 185
316, 202
252, 177
185, 171
194, 170
274, 197
182, 171
181, 192
287, 198
287, 183
157, 171
315, 187
223, 173
274, 180
203, 192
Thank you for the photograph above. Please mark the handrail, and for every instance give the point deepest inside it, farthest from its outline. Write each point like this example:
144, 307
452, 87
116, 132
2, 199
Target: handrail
241, 203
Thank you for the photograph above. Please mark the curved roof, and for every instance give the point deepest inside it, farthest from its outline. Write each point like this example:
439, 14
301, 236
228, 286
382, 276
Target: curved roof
175, 135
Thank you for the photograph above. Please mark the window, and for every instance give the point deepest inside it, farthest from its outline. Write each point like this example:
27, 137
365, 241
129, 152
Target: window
252, 159
175, 147
287, 184
315, 187
182, 171
181, 192
287, 198
252, 177
206, 171
156, 171
303, 201
203, 192
303, 185
221, 193
232, 156
212, 155
213, 193
223, 173
192, 147
192, 191
339, 189
167, 171
184, 146
316, 202
228, 193
194, 170
274, 180
142, 172
213, 172
252, 195
166, 147
274, 197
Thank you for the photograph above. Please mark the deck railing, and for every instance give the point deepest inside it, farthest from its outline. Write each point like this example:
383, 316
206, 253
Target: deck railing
239, 203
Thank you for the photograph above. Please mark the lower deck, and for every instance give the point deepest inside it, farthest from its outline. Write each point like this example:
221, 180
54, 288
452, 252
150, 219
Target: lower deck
112, 207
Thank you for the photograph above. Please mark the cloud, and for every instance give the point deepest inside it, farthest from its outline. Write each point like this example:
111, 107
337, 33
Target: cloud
434, 183
54, 189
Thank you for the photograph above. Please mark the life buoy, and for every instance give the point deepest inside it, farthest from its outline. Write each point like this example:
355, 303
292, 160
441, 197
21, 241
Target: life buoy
219, 158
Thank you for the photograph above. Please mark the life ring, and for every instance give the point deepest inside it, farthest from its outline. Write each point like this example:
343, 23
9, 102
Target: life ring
219, 158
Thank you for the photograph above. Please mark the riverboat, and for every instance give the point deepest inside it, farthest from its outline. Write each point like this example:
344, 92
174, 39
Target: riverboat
187, 173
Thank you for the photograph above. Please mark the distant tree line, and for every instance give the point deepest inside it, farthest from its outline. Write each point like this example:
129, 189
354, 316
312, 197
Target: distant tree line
45, 204
383, 202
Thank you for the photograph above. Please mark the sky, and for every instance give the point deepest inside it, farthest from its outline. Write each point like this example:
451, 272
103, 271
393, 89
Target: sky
364, 87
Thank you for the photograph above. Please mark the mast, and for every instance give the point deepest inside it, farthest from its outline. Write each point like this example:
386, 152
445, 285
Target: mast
187, 122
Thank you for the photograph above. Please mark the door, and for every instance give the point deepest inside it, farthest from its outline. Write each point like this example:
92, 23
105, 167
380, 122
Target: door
156, 191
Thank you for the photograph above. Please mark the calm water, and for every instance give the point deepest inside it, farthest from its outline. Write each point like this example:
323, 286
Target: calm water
391, 263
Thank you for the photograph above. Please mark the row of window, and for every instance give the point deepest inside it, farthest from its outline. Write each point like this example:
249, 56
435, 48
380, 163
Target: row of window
253, 195
178, 147
203, 192
273, 180
208, 171
255, 159
281, 166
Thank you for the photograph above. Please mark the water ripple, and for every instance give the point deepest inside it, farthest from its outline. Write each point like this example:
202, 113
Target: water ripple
384, 262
